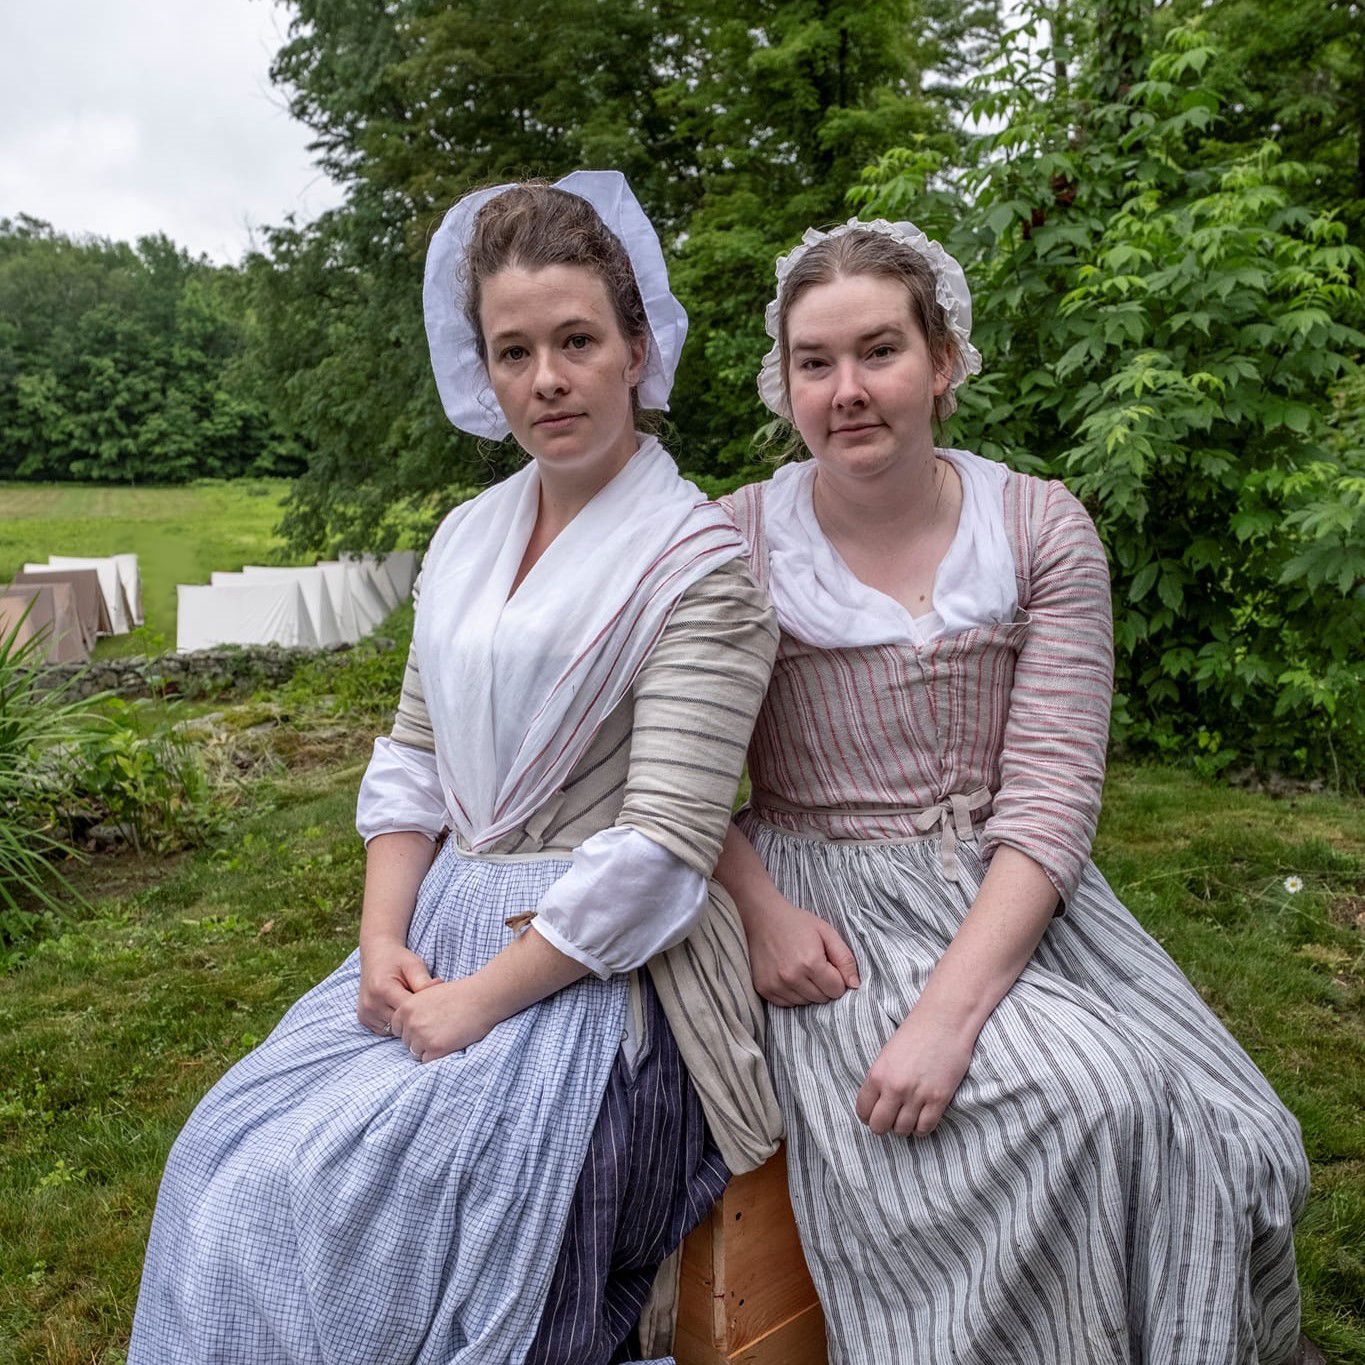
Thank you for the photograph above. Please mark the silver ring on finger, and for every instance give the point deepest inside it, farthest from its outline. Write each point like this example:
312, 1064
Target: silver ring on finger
388, 1025
415, 1055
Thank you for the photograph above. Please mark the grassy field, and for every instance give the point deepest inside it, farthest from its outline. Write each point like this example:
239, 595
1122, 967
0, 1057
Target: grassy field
110, 1032
180, 535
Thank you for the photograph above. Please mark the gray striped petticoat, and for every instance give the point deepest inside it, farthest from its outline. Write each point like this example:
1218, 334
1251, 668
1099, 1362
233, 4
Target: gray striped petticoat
334, 1202
1113, 1182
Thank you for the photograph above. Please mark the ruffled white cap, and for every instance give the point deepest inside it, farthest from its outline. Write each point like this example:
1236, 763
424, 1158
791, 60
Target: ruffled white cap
950, 289
461, 377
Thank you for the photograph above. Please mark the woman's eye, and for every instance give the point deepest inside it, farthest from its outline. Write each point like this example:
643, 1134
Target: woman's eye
810, 364
512, 353
579, 342
882, 352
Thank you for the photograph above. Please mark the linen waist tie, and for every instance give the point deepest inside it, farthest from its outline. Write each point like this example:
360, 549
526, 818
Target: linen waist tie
950, 819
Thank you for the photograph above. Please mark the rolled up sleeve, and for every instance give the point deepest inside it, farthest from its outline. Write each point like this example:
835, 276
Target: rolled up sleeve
640, 886
1056, 738
401, 791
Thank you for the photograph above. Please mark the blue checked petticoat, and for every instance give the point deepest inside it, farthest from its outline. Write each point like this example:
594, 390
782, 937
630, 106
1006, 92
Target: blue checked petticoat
334, 1202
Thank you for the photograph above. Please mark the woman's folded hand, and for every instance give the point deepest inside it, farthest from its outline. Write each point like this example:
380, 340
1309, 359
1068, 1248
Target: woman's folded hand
390, 973
451, 1015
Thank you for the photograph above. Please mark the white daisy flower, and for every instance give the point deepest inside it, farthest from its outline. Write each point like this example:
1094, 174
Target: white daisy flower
1293, 885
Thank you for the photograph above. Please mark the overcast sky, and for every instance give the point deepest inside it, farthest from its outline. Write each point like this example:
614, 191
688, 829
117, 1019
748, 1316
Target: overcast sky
125, 117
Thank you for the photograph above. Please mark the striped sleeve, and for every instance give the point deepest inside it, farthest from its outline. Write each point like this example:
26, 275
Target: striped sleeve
1056, 737
696, 698
412, 724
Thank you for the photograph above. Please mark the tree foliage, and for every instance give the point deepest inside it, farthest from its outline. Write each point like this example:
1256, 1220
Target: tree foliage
1163, 318
736, 123
125, 363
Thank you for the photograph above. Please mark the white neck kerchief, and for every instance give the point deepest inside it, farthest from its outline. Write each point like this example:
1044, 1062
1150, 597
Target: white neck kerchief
820, 601
517, 689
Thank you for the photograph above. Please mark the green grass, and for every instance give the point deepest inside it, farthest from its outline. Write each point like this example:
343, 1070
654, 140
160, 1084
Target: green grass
180, 534
110, 1033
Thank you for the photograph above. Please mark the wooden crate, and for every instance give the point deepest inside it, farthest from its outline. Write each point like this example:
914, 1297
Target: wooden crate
745, 1296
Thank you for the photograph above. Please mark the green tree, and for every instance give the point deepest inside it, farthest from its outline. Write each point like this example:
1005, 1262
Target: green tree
1163, 319
123, 363
737, 125
1294, 72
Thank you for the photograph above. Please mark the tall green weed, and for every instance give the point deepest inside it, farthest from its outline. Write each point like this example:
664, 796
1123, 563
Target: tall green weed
34, 722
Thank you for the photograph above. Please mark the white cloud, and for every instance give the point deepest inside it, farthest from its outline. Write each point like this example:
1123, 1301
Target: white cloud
126, 117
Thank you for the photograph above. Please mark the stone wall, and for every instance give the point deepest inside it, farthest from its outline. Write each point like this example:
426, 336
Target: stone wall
198, 673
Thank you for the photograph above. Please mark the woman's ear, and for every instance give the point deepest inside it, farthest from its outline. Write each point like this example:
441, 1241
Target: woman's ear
639, 352
943, 370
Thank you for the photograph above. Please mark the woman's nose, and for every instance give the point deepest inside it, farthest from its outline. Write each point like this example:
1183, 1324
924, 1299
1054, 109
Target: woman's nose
549, 375
849, 390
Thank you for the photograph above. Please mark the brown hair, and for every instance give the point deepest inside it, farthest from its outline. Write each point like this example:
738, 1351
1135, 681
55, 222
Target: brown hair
534, 225
863, 252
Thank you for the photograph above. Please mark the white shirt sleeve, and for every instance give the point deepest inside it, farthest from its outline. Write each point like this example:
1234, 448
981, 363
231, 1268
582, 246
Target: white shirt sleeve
624, 899
401, 791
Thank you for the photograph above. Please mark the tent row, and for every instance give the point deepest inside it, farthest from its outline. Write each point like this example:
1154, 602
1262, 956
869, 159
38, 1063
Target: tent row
333, 602
67, 603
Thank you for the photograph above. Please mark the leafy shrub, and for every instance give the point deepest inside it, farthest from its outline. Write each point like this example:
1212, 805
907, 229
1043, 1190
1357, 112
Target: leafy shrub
151, 790
1162, 326
360, 684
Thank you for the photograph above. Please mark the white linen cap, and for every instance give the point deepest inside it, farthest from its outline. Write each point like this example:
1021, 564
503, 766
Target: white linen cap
462, 378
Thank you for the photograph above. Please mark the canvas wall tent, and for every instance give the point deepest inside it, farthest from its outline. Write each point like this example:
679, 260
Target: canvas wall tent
348, 620
85, 585
353, 591
245, 613
313, 584
47, 611
380, 580
112, 585
401, 567
132, 584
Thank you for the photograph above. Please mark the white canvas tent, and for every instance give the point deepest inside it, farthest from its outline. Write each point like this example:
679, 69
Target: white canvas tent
401, 567
359, 606
131, 575
380, 580
112, 584
245, 613
316, 597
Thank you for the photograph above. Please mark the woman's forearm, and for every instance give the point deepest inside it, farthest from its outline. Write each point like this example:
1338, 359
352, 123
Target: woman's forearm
741, 872
395, 865
994, 943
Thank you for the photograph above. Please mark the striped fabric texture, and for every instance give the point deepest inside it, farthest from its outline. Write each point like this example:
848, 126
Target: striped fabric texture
1114, 1180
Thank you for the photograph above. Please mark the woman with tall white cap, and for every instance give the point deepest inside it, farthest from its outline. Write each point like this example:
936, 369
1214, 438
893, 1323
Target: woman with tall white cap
1017, 1134
478, 1139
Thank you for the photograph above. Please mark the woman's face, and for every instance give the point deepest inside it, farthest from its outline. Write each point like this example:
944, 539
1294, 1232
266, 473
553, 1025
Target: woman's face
562, 370
861, 378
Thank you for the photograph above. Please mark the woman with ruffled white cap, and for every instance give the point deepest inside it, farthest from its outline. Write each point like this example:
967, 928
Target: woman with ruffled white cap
478, 1138
1017, 1134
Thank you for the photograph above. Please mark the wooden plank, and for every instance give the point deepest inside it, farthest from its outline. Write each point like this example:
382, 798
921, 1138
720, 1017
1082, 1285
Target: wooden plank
760, 1269
798, 1341
744, 1292
701, 1317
